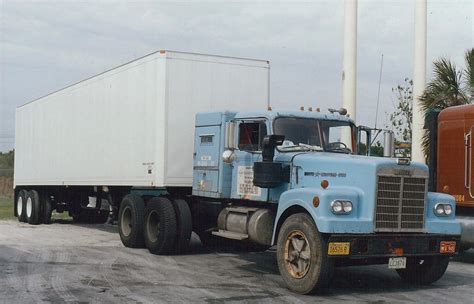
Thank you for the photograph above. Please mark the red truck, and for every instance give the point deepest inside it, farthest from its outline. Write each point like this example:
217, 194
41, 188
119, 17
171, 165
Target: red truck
452, 162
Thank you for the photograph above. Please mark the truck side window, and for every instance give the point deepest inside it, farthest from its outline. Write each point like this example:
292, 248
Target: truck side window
251, 135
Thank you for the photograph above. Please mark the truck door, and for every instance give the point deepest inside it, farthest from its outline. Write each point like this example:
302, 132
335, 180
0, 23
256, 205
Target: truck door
250, 135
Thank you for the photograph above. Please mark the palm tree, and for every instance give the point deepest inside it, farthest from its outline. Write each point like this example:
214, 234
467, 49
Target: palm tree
450, 86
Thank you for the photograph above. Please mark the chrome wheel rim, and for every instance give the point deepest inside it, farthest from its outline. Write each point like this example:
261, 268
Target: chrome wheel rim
153, 226
126, 221
29, 207
19, 206
297, 254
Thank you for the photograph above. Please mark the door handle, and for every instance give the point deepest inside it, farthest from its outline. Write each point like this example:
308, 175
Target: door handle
467, 160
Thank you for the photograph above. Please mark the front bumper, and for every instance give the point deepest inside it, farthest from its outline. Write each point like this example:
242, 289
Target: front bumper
390, 244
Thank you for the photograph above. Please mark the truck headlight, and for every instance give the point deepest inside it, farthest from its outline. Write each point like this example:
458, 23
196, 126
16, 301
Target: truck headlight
341, 207
441, 209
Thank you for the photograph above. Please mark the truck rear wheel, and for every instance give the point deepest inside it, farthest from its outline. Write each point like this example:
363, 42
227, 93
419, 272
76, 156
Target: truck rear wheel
302, 255
130, 223
184, 225
20, 205
160, 226
33, 208
424, 270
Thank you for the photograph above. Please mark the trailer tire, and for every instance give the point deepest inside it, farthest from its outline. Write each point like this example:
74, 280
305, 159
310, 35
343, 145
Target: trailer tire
130, 221
184, 225
20, 206
47, 209
160, 226
300, 241
33, 208
424, 270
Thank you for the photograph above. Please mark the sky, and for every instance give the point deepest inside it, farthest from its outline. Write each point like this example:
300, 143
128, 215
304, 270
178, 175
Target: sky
47, 45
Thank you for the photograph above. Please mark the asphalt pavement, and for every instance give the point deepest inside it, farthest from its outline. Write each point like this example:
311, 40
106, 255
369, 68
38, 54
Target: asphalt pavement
66, 262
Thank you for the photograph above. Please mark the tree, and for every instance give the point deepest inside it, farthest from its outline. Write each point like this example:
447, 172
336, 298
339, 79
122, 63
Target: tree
401, 119
7, 160
450, 86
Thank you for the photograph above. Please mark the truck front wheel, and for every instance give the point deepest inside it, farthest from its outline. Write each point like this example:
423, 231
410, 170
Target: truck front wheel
424, 270
302, 255
130, 223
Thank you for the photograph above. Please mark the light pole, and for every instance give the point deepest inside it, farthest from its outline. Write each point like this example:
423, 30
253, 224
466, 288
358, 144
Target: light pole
349, 72
419, 80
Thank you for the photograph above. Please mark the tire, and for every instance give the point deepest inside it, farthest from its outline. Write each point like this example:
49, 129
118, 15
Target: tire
33, 208
47, 209
184, 225
20, 206
160, 226
424, 270
313, 270
131, 221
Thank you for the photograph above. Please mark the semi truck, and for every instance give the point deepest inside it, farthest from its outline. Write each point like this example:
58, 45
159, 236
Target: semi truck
180, 142
451, 162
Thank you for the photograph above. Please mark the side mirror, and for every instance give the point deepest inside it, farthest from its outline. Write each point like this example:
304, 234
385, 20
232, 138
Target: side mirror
229, 142
269, 144
368, 140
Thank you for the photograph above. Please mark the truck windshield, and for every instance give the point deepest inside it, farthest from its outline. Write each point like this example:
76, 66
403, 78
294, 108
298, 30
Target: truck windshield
307, 134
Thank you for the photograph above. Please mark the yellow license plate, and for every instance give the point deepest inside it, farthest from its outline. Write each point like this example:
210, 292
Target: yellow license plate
339, 248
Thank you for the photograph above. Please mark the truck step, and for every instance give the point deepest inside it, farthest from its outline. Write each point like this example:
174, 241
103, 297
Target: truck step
244, 210
231, 235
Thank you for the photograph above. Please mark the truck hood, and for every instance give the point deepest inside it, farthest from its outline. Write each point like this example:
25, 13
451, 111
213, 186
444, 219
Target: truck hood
345, 170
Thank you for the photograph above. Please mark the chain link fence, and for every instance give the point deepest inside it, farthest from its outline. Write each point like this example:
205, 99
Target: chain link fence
6, 182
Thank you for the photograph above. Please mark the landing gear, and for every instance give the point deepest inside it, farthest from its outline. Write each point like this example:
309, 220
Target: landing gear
47, 209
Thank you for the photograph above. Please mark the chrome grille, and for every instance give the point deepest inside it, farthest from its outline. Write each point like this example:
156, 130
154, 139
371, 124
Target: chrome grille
400, 203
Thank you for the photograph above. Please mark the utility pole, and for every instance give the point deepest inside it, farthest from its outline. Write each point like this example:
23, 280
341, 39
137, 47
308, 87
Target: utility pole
419, 80
349, 72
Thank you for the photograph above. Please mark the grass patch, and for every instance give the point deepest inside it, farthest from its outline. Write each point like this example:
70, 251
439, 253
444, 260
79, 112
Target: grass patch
6, 208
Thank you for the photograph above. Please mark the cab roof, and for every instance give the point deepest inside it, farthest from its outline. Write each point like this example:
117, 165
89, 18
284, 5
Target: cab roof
297, 114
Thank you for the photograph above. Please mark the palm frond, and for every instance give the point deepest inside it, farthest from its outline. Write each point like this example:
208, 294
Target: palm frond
468, 73
446, 89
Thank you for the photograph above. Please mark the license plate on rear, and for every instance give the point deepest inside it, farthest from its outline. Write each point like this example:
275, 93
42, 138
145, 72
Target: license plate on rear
397, 263
339, 248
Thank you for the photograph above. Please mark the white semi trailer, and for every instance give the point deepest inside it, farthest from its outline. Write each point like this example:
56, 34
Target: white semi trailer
132, 126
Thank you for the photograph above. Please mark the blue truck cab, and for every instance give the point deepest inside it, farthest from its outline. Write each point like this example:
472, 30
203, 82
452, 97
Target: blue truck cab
294, 179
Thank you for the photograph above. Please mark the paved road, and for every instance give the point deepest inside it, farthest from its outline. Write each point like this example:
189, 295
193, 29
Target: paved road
64, 262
